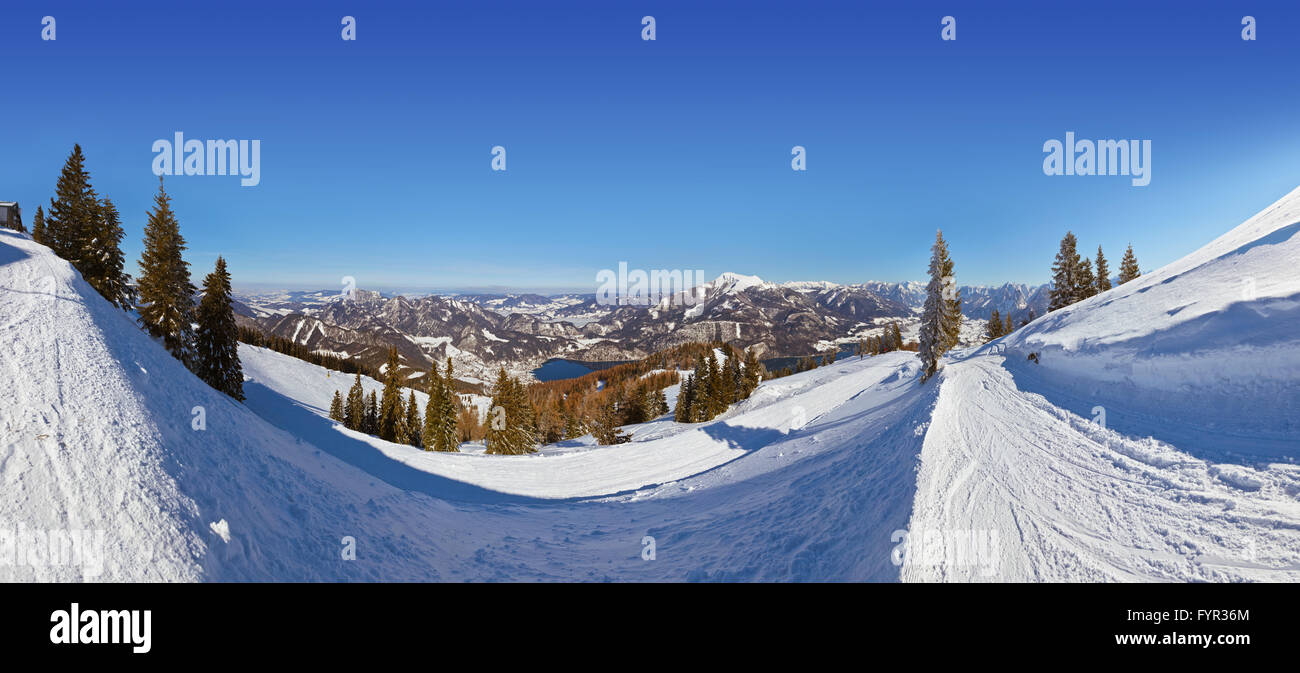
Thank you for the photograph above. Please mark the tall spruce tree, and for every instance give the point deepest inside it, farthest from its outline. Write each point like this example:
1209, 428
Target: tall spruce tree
713, 387
104, 261
336, 408
370, 423
754, 372
413, 424
940, 317
38, 226
682, 412
1065, 274
216, 341
605, 427
74, 212
994, 329
449, 412
1008, 327
391, 413
433, 410
354, 412
1087, 282
1128, 267
510, 426
166, 294
1103, 272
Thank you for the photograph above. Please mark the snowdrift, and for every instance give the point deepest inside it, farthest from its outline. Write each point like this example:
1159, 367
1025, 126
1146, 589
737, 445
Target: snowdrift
1204, 352
102, 436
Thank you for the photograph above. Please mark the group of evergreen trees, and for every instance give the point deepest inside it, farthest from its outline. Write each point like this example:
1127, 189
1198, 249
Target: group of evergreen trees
1075, 279
713, 387
87, 231
442, 412
511, 419
941, 314
997, 327
889, 340
393, 419
254, 337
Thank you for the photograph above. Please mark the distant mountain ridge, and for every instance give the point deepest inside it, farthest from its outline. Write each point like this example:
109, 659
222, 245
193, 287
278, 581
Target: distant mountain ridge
482, 331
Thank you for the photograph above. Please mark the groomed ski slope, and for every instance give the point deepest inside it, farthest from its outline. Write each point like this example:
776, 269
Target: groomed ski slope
97, 434
662, 450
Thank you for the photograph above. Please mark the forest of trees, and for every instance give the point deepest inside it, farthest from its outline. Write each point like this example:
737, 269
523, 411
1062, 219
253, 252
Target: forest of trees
442, 426
254, 337
86, 230
714, 386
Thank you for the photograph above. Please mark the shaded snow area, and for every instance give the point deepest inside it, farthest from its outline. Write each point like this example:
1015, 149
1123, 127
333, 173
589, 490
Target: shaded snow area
1155, 441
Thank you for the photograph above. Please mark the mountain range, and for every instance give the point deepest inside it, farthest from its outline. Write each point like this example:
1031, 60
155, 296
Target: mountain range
480, 332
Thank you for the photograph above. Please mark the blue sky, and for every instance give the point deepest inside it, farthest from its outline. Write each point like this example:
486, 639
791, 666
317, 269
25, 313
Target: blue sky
375, 159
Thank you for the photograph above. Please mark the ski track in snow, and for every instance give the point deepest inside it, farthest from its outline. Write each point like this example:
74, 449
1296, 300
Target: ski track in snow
809, 479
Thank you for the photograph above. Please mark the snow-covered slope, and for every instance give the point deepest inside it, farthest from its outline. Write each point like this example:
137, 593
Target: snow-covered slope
98, 436
1208, 345
1156, 441
661, 451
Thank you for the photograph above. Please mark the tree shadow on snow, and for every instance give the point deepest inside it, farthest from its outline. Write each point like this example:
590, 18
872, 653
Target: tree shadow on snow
300, 421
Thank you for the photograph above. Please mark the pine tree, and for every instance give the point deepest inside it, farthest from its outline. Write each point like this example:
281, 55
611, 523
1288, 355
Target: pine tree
1087, 283
994, 329
38, 226
1128, 267
402, 432
510, 428
1008, 328
939, 322
102, 260
370, 420
1065, 274
166, 295
355, 412
753, 373
216, 342
682, 413
413, 422
1103, 272
726, 383
714, 404
432, 410
898, 333
605, 425
449, 413
336, 408
74, 211
391, 413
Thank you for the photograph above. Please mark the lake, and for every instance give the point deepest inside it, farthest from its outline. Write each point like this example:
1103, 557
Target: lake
558, 369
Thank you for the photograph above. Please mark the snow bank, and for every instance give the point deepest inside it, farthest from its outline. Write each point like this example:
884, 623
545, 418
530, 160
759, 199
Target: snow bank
1211, 341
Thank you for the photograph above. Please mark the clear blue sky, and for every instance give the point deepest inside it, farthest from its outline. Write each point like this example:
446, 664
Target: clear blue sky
666, 154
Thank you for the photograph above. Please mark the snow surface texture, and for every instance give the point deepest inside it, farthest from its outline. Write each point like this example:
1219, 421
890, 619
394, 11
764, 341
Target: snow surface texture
999, 469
